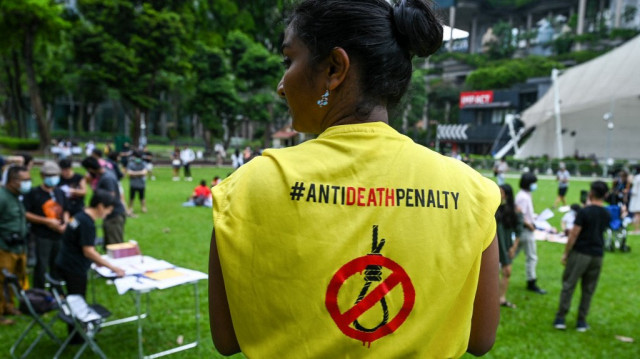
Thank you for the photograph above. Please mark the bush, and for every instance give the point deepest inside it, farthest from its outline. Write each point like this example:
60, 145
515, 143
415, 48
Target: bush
24, 144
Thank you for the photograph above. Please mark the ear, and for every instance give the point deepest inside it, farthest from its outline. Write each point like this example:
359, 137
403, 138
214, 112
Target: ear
339, 65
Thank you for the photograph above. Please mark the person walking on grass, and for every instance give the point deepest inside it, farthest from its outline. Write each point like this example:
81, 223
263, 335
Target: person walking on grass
509, 221
187, 156
563, 185
582, 257
137, 172
528, 184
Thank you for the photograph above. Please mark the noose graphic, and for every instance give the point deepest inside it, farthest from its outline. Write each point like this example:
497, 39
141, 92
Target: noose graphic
373, 273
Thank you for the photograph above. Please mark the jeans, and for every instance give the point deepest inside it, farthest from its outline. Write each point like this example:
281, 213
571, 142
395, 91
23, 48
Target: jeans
579, 267
46, 253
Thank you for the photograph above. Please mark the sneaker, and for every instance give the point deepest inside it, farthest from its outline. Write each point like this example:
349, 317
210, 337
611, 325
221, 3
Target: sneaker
582, 326
559, 324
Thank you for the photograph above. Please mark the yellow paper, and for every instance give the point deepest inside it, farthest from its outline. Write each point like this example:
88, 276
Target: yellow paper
163, 274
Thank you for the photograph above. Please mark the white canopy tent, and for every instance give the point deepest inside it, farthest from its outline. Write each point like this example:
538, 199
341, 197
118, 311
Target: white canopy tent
607, 84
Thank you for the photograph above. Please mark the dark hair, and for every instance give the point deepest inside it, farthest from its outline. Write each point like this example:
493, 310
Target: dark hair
13, 171
113, 156
103, 197
599, 189
575, 207
203, 183
379, 37
26, 158
506, 213
65, 163
91, 163
527, 180
97, 152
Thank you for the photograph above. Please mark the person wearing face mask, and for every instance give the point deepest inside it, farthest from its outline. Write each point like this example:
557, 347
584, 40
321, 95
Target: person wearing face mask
13, 232
47, 209
528, 185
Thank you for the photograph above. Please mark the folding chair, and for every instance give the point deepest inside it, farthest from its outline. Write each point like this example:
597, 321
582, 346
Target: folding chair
85, 319
12, 280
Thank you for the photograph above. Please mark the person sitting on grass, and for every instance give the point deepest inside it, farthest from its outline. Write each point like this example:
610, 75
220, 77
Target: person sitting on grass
582, 256
201, 196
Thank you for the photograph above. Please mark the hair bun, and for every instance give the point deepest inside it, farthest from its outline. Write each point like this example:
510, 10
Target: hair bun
416, 26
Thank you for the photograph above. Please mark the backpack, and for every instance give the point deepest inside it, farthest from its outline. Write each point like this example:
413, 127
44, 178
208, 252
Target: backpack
41, 300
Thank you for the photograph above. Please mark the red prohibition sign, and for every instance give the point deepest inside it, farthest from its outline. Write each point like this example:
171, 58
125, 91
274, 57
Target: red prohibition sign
344, 320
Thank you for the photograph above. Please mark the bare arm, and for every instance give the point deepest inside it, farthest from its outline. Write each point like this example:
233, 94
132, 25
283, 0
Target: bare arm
53, 223
91, 253
222, 332
140, 173
486, 307
573, 236
81, 191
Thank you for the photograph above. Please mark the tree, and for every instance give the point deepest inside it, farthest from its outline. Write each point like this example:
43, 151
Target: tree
24, 24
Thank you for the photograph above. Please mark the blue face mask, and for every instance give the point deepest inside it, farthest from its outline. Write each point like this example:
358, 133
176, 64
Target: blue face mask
533, 187
25, 187
51, 181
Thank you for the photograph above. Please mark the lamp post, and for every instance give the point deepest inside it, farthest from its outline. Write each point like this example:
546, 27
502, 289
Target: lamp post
608, 118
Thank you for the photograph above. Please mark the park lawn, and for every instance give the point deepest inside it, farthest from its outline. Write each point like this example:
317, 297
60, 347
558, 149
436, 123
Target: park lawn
181, 236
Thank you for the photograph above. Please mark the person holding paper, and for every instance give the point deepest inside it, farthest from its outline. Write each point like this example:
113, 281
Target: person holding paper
78, 244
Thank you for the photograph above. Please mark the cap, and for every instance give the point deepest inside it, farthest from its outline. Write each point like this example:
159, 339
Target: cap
50, 168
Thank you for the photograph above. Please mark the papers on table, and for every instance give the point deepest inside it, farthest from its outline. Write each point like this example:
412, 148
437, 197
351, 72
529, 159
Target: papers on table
132, 265
144, 273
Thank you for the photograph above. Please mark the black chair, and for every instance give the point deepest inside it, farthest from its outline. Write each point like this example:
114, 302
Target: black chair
85, 320
36, 316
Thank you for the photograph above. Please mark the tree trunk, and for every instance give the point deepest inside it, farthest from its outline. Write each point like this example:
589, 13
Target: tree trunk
163, 115
206, 137
137, 113
34, 89
15, 90
91, 113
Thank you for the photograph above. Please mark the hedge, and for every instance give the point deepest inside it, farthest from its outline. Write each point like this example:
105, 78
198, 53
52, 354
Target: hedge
24, 144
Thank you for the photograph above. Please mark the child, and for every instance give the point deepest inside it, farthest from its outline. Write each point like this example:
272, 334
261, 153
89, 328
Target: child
583, 256
569, 218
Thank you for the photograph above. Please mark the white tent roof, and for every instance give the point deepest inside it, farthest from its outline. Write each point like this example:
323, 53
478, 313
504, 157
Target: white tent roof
608, 83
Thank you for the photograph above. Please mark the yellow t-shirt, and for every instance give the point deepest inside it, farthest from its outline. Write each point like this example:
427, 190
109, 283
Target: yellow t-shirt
356, 244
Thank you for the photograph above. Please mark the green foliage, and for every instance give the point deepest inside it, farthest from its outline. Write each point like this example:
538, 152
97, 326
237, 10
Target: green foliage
504, 74
503, 47
474, 60
13, 143
579, 56
623, 34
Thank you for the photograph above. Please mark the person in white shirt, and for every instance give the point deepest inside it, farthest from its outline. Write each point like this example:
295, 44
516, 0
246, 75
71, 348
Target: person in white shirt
528, 184
563, 185
569, 218
187, 156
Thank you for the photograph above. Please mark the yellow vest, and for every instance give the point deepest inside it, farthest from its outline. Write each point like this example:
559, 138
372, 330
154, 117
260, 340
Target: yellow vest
356, 244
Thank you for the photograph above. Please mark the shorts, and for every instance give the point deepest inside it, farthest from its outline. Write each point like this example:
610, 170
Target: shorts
562, 191
132, 193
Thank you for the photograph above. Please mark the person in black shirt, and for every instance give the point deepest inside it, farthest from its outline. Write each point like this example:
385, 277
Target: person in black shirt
583, 256
78, 244
73, 185
47, 210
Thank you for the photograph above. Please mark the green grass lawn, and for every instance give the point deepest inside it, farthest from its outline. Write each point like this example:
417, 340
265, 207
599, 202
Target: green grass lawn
181, 236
